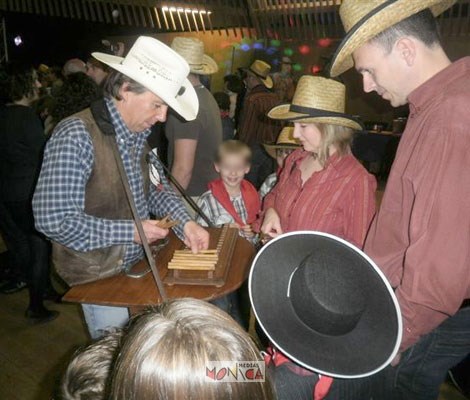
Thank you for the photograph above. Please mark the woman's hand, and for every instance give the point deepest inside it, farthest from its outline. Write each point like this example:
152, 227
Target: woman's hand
271, 223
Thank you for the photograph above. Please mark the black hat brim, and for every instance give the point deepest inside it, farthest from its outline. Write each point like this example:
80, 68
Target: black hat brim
364, 351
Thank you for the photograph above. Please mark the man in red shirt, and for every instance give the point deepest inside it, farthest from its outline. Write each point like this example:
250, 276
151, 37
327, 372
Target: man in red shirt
420, 236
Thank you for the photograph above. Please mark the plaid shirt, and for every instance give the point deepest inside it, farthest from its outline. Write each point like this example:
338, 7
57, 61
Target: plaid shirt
59, 199
218, 215
268, 185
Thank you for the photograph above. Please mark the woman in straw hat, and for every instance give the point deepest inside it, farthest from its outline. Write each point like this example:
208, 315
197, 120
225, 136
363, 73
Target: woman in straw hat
285, 144
322, 186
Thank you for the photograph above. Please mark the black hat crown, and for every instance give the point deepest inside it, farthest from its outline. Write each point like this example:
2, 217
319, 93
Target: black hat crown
326, 297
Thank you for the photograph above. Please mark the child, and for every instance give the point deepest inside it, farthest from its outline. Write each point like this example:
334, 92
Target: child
285, 145
232, 199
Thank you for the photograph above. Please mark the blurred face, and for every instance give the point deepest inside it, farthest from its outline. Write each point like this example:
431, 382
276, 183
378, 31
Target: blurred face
96, 73
141, 111
286, 68
232, 169
382, 72
309, 135
281, 155
251, 80
36, 86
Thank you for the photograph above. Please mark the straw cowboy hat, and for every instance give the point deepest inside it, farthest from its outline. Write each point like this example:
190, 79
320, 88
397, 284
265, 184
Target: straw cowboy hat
317, 100
192, 50
285, 140
161, 70
325, 304
365, 19
262, 69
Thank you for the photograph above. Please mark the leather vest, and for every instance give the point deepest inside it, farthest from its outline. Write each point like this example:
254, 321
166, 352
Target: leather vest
104, 198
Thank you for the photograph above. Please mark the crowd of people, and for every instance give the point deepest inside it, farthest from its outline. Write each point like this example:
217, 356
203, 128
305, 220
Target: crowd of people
352, 302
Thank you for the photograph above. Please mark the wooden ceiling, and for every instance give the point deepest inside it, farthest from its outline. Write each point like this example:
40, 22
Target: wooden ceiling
280, 19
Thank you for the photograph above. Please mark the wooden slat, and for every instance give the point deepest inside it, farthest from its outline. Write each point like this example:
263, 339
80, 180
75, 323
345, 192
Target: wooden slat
107, 12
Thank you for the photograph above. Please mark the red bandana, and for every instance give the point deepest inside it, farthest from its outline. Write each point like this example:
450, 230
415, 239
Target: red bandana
249, 195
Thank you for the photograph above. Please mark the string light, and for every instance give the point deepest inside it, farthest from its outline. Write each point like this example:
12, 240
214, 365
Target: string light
304, 49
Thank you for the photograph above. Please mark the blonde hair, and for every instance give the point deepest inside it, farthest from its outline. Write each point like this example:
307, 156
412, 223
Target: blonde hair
86, 376
167, 350
333, 135
234, 147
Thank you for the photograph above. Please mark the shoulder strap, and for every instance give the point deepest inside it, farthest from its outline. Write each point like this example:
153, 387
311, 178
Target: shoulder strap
103, 119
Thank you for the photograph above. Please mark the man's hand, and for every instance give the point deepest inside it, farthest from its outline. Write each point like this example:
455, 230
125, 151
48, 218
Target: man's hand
151, 230
271, 223
195, 237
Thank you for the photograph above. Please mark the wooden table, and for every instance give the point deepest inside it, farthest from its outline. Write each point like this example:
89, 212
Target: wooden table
136, 294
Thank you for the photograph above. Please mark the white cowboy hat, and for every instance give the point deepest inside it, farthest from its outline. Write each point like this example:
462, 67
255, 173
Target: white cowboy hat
161, 70
317, 100
192, 50
365, 19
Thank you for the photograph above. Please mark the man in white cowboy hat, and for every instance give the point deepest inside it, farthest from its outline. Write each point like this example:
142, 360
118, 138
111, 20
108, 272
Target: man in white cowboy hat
80, 202
193, 144
419, 237
254, 127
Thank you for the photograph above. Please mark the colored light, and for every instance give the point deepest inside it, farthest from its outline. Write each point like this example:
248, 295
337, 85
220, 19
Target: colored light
288, 52
236, 46
258, 46
316, 69
297, 67
324, 42
275, 61
275, 42
245, 47
271, 50
304, 49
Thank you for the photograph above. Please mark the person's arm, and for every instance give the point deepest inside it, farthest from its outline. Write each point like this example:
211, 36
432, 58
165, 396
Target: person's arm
203, 204
59, 199
436, 276
183, 161
360, 209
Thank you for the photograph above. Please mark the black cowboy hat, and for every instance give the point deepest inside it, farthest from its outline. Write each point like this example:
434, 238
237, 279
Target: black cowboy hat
325, 305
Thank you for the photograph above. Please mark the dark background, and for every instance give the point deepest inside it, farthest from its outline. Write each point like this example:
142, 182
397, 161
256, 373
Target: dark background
53, 40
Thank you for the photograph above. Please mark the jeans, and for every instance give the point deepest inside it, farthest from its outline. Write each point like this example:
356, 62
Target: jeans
230, 304
424, 366
101, 319
29, 250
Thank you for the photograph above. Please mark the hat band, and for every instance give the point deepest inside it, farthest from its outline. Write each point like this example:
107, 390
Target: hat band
315, 112
258, 75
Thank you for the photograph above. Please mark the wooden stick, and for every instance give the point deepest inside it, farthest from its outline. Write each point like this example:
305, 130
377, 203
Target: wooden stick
199, 252
183, 262
191, 267
182, 259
